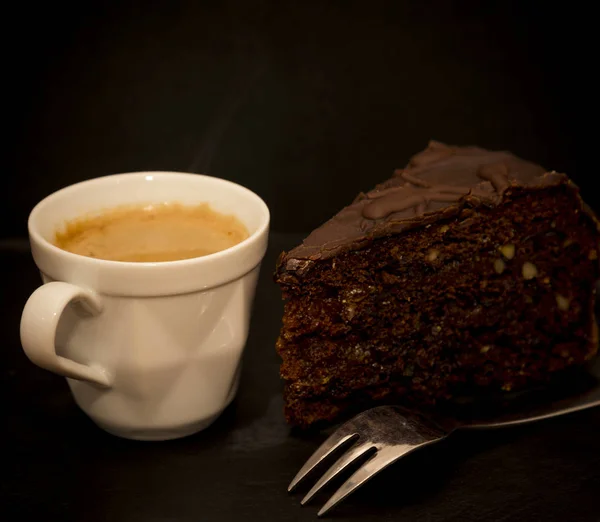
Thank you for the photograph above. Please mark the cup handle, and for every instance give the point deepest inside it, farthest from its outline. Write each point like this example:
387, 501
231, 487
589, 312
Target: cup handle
39, 321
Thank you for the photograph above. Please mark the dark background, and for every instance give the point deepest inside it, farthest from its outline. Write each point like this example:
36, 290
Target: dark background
307, 103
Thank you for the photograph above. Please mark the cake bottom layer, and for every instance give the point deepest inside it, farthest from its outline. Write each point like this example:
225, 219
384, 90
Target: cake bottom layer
492, 301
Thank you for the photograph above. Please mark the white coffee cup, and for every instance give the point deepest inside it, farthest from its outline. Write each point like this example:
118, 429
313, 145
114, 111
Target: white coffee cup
151, 351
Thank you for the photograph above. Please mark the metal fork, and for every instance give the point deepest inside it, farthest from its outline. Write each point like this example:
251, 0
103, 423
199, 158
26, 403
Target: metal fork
391, 432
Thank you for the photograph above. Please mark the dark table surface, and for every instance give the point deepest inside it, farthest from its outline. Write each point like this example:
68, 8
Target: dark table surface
57, 465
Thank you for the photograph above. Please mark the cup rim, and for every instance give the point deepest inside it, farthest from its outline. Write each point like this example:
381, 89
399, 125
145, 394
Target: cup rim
36, 236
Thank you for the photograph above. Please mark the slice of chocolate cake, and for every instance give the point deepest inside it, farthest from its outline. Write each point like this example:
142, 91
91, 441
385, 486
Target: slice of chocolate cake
469, 271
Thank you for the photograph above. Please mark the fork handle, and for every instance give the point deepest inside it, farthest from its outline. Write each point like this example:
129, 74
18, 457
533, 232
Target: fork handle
583, 401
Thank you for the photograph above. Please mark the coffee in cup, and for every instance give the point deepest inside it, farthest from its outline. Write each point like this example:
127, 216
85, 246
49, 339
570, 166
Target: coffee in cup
151, 233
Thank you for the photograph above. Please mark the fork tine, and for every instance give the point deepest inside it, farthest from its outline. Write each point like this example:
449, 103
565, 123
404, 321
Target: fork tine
342, 463
380, 460
335, 441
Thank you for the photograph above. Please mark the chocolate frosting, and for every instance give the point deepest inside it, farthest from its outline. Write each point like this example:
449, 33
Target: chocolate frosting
436, 184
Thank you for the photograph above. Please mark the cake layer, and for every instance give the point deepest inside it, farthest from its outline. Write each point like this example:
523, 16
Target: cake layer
435, 185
